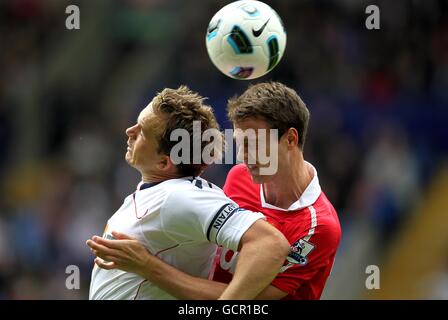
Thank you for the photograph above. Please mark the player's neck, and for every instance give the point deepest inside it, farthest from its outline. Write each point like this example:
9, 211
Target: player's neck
152, 177
289, 185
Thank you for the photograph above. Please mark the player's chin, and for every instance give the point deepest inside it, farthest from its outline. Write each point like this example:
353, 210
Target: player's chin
128, 158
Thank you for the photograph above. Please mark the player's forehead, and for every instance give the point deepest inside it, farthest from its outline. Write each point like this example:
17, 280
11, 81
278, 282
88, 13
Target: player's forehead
250, 124
150, 123
146, 114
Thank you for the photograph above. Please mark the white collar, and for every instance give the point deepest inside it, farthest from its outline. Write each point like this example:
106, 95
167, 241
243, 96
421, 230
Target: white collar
308, 197
152, 184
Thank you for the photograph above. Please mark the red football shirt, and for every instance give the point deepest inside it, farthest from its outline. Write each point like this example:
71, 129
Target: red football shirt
311, 226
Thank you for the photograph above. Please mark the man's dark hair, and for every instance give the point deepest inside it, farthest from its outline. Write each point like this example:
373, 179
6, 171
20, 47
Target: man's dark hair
280, 106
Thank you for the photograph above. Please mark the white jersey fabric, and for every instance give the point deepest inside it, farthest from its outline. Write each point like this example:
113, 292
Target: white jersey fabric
180, 221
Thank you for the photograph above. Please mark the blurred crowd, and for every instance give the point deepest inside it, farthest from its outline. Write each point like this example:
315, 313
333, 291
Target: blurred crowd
377, 98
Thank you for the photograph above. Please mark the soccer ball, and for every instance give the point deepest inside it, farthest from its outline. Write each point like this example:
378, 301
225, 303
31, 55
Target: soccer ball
245, 39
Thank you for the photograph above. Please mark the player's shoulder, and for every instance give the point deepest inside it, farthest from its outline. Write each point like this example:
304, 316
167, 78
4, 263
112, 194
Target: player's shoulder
195, 184
238, 171
190, 189
239, 181
239, 168
323, 206
238, 175
326, 218
193, 200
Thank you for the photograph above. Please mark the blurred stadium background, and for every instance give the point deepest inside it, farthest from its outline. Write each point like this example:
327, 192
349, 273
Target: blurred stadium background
378, 136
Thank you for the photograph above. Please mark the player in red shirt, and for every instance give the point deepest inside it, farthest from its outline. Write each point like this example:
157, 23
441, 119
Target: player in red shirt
290, 197
310, 224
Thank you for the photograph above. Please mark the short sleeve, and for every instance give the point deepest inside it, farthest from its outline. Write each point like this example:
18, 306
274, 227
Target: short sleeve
206, 214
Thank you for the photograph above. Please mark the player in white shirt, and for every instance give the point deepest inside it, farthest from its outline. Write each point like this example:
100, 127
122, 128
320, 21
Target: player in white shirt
178, 220
180, 217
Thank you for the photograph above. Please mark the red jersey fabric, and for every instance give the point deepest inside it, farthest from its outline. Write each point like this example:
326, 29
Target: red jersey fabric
311, 226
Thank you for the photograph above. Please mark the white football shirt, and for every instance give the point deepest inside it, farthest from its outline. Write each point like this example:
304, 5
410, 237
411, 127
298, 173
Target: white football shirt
180, 221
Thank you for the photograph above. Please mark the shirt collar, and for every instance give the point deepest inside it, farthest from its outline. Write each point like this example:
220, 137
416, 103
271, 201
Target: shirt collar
308, 197
145, 185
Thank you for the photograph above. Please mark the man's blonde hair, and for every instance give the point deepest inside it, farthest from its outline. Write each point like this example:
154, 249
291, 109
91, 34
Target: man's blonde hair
178, 108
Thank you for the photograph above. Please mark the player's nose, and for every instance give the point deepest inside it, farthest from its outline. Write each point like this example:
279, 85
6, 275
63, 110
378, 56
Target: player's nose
131, 131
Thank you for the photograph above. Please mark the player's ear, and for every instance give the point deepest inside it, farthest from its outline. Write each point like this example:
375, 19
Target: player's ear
292, 136
165, 163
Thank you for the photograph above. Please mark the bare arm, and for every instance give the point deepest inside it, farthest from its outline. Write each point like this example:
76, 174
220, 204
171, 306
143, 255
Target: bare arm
263, 252
130, 255
261, 245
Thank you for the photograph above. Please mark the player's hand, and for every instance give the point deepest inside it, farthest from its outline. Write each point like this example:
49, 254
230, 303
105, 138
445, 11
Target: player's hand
125, 253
